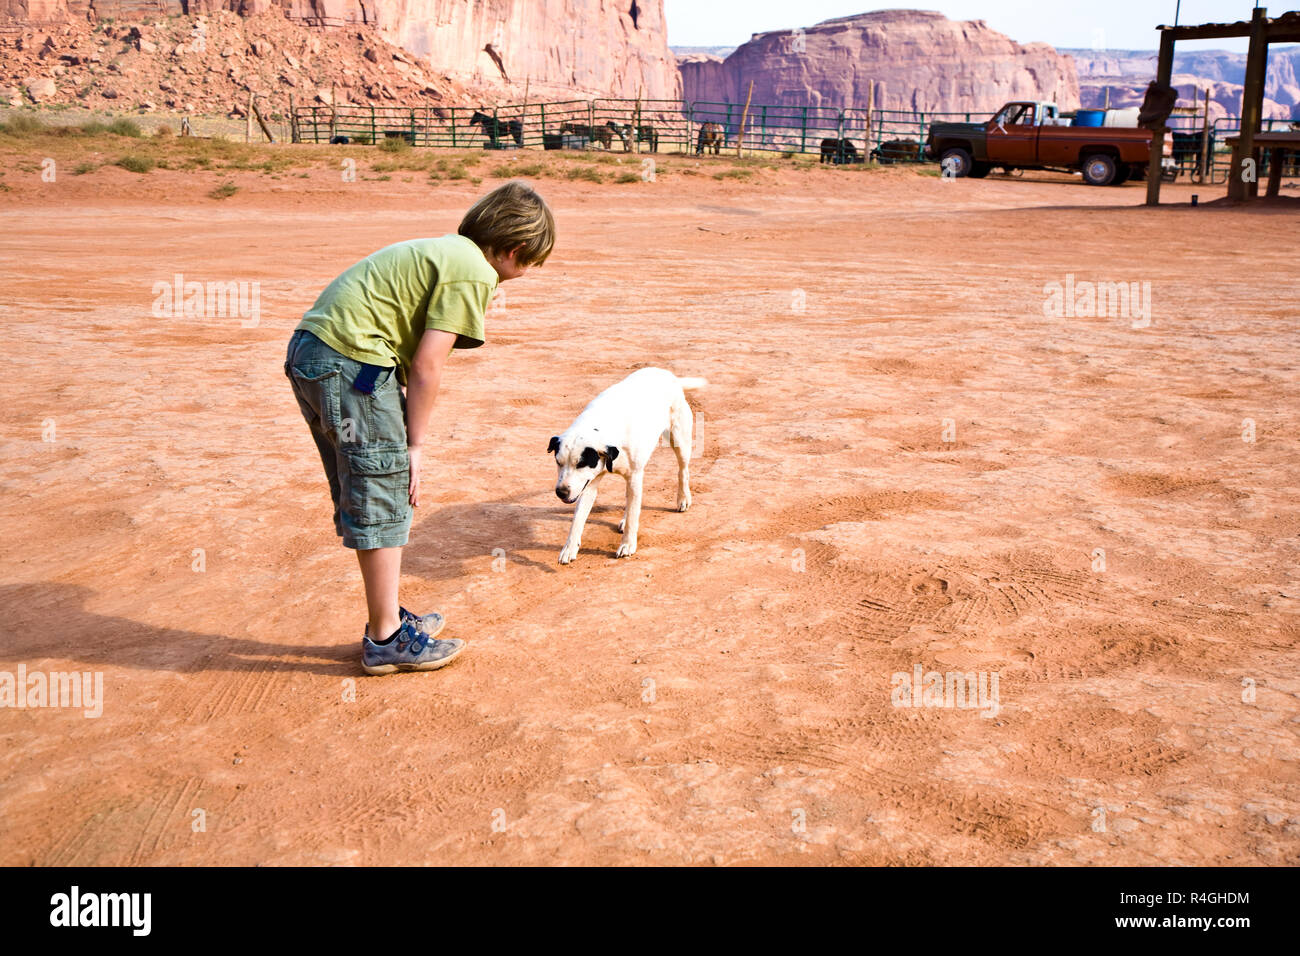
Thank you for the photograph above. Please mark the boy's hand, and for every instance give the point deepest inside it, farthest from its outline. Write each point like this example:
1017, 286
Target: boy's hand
414, 491
421, 390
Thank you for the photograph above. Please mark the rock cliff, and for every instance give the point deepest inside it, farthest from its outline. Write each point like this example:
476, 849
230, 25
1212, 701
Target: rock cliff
594, 47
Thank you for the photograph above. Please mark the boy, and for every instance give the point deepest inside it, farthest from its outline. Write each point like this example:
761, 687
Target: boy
390, 321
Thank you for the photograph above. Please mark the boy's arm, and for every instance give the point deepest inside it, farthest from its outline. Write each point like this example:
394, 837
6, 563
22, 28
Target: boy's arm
421, 390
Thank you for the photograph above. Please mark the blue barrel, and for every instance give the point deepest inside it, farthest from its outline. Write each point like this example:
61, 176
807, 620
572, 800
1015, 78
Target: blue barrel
1089, 117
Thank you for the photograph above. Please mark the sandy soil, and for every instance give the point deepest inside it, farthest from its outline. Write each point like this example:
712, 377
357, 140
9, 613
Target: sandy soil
724, 696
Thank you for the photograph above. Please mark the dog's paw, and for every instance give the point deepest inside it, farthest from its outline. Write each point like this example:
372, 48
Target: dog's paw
684, 501
626, 549
568, 553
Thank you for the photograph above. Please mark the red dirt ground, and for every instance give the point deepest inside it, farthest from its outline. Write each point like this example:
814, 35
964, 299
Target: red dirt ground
725, 695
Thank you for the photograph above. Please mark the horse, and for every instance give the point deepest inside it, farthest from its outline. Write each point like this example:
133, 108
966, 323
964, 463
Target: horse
600, 134
644, 134
493, 128
711, 135
897, 151
839, 151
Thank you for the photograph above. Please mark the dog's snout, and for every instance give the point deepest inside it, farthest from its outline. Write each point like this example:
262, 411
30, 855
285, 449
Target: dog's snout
562, 492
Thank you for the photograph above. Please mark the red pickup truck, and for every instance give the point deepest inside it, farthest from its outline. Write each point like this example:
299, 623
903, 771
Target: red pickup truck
1031, 135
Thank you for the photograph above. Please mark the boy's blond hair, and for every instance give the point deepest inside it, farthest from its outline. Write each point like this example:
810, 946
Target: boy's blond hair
509, 217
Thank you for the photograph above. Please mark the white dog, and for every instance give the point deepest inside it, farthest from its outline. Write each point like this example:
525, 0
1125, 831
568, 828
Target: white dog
618, 432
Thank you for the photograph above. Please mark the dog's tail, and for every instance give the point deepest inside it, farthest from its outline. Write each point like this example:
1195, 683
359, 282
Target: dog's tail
689, 384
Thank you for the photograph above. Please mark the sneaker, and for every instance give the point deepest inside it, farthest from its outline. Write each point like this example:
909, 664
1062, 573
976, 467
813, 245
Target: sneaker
431, 624
410, 650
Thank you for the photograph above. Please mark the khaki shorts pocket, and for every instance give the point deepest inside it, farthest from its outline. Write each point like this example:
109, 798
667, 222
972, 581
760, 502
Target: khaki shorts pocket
379, 481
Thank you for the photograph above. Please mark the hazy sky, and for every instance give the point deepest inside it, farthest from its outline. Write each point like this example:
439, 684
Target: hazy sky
1116, 24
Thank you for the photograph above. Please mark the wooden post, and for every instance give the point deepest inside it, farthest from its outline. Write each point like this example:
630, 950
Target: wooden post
636, 123
523, 115
248, 119
1278, 156
1205, 140
871, 101
740, 135
1252, 108
261, 122
295, 134
1164, 74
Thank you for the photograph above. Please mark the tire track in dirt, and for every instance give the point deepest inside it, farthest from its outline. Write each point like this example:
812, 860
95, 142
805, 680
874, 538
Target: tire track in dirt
159, 823
242, 691
136, 831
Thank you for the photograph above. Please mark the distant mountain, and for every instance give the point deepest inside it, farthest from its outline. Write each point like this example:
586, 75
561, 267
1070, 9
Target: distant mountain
719, 51
1126, 73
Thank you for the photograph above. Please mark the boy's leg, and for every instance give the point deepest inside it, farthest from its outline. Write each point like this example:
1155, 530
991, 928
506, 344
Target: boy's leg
381, 569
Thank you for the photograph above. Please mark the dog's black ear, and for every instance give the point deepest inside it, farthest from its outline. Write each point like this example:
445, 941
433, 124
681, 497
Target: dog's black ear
554, 446
610, 454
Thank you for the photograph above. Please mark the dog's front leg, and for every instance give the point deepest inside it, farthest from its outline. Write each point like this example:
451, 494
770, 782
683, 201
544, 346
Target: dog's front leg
631, 517
585, 501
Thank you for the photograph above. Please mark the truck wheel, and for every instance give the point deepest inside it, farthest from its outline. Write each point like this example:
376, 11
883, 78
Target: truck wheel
958, 160
980, 170
1099, 169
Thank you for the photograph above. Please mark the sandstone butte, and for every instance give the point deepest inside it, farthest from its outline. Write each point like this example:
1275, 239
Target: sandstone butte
918, 60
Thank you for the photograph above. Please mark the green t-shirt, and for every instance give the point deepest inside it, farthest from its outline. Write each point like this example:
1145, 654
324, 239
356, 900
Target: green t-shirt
376, 311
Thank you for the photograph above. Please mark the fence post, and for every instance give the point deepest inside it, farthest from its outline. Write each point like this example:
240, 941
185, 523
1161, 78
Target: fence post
374, 130
542, 107
866, 136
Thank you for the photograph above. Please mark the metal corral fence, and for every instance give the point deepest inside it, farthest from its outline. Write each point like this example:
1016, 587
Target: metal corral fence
839, 136
630, 125
1220, 165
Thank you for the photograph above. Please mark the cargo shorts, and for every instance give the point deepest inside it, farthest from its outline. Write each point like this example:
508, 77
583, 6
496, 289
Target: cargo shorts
361, 438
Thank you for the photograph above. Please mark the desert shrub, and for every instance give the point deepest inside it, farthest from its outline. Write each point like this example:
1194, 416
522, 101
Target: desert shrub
629, 178
137, 164
125, 127
396, 144
21, 124
511, 170
224, 191
589, 173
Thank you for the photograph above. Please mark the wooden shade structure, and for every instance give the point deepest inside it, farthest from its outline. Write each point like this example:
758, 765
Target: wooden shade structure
1262, 31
